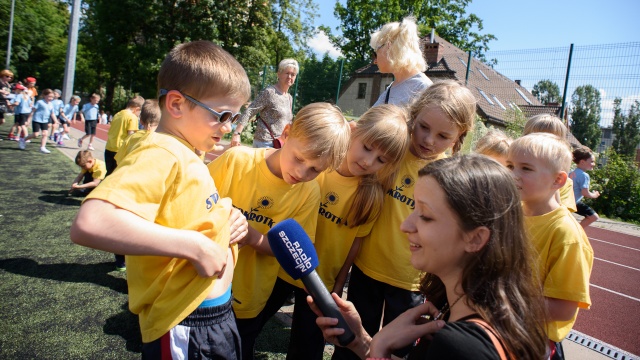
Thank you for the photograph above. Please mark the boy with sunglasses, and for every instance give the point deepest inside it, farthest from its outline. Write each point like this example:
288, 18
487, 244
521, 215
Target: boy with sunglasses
162, 210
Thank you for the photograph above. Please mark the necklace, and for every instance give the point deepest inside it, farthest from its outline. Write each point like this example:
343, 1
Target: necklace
446, 308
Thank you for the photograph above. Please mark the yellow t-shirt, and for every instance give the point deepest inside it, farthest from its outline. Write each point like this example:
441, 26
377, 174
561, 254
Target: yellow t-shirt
241, 173
129, 143
98, 170
567, 198
123, 122
385, 255
565, 261
333, 237
163, 181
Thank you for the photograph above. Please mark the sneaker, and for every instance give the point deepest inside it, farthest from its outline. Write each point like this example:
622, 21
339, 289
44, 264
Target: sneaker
22, 144
11, 137
90, 147
55, 137
65, 137
28, 141
44, 150
79, 143
60, 143
121, 268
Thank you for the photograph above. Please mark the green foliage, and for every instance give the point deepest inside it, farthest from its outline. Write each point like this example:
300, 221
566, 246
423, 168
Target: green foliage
515, 119
479, 130
360, 18
626, 129
547, 92
618, 181
585, 118
318, 81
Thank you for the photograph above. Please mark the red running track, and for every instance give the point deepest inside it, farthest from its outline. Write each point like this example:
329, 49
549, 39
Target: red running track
614, 317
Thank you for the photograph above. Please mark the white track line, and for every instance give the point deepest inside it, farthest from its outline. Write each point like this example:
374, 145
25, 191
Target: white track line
615, 292
614, 263
610, 243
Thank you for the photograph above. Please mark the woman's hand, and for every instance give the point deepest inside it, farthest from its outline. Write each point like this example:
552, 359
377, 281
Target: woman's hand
404, 330
360, 345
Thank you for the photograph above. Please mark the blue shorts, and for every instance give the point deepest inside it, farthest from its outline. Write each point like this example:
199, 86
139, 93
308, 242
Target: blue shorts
207, 333
584, 209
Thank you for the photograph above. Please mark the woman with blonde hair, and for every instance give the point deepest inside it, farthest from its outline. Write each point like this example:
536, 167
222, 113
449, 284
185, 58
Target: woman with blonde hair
273, 107
397, 48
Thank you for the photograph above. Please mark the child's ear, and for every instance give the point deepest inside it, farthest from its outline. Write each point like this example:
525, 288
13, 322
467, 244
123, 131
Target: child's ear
175, 104
285, 133
476, 239
560, 180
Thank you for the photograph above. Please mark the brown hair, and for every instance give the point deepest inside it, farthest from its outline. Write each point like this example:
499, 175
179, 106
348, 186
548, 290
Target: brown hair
150, 114
135, 102
46, 92
203, 69
6, 72
454, 100
581, 153
545, 123
494, 142
83, 156
499, 281
384, 127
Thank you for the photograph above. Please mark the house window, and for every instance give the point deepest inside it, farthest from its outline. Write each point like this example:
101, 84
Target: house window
498, 101
362, 90
485, 96
485, 76
462, 61
524, 96
606, 133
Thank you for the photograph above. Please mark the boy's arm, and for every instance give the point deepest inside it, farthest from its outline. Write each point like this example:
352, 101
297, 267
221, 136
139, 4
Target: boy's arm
257, 241
77, 180
81, 116
92, 184
341, 278
590, 194
119, 231
560, 310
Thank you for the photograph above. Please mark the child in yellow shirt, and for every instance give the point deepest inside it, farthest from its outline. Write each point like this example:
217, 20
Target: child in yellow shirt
270, 185
149, 119
540, 163
124, 123
163, 211
92, 173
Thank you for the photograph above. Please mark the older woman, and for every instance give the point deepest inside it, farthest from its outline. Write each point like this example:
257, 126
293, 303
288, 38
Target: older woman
273, 107
5, 90
398, 52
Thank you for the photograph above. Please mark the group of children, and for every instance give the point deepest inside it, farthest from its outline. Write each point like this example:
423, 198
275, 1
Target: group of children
200, 271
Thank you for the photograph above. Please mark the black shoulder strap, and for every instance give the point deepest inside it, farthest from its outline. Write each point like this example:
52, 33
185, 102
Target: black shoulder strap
386, 99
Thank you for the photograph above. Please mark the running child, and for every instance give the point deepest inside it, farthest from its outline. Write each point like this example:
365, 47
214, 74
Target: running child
42, 113
67, 114
92, 173
22, 111
57, 106
89, 116
270, 185
585, 161
162, 209
382, 276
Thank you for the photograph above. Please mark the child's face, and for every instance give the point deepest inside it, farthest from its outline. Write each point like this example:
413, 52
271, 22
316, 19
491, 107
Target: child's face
534, 179
200, 128
587, 164
364, 159
433, 230
74, 102
49, 97
433, 133
95, 100
296, 166
88, 164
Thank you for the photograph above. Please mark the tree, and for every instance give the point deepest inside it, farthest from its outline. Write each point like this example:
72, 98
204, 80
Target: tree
360, 18
318, 80
618, 181
585, 118
547, 92
626, 129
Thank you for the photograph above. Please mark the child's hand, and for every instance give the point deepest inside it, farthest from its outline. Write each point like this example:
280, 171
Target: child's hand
211, 259
74, 186
239, 226
596, 194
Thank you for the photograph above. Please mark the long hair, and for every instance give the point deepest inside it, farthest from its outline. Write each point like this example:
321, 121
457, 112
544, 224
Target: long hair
385, 128
454, 100
499, 281
404, 44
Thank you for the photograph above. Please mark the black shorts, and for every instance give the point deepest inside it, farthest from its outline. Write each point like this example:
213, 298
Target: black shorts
90, 126
21, 119
62, 120
36, 126
584, 209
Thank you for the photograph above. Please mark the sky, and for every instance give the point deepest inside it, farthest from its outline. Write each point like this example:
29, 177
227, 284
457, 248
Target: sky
546, 24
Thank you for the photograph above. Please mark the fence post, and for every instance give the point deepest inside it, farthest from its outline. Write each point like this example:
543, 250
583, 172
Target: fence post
339, 81
295, 92
566, 85
466, 78
264, 76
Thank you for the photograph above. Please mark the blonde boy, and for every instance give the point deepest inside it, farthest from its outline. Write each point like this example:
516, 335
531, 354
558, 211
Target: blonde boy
93, 172
149, 119
540, 163
277, 184
124, 123
89, 116
162, 210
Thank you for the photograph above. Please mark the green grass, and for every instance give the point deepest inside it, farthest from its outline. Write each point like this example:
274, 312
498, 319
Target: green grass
60, 300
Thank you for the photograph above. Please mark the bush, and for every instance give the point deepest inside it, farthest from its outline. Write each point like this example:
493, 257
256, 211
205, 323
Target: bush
618, 181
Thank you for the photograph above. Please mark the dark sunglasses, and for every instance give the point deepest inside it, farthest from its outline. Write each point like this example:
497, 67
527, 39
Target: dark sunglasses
222, 117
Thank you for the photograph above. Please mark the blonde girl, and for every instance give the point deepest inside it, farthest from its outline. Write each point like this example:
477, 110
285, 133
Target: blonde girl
547, 123
382, 277
480, 271
351, 200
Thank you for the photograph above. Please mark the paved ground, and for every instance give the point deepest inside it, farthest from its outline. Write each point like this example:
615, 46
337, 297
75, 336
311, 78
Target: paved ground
579, 347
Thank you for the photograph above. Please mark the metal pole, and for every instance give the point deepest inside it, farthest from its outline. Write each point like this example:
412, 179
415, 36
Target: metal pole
264, 76
8, 62
566, 84
339, 81
466, 78
295, 92
72, 49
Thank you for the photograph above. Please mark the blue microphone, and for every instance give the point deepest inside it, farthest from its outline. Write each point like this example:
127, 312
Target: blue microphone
296, 254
